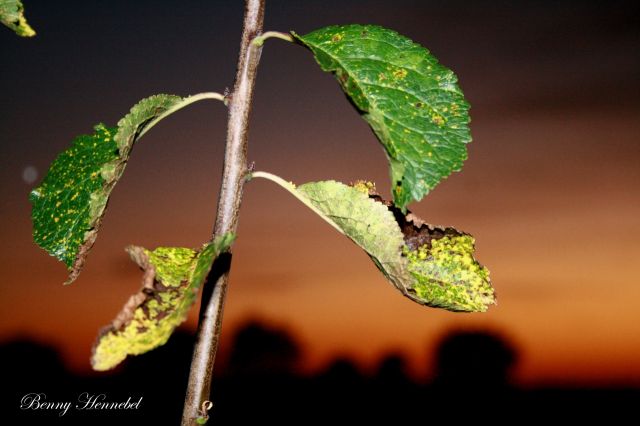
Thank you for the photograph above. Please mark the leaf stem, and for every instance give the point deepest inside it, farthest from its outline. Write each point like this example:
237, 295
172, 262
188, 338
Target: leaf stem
259, 41
233, 178
183, 103
291, 188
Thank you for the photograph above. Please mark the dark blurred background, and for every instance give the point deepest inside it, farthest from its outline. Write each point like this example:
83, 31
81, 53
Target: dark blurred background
551, 191
262, 381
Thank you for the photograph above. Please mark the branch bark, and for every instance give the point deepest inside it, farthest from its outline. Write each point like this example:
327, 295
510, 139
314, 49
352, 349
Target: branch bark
233, 178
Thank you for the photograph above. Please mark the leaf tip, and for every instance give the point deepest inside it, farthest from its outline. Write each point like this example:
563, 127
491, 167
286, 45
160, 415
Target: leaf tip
12, 16
447, 275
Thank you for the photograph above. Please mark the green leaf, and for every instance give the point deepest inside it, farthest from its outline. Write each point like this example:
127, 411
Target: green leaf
68, 206
172, 277
12, 15
431, 265
413, 104
142, 116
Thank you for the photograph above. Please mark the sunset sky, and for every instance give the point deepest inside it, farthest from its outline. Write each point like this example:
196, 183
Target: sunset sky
551, 189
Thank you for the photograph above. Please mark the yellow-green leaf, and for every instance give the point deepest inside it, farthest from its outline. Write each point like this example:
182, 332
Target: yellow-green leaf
172, 277
12, 15
432, 265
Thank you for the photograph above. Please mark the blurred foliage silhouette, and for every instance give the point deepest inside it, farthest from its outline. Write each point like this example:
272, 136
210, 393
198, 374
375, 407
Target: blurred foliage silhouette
261, 382
472, 360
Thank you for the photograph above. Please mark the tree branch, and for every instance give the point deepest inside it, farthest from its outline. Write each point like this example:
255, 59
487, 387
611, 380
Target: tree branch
233, 178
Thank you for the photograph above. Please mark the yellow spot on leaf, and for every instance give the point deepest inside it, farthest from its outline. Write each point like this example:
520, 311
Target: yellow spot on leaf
364, 186
437, 119
399, 74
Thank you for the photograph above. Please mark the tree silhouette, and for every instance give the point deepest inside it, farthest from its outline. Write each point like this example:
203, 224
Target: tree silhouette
474, 359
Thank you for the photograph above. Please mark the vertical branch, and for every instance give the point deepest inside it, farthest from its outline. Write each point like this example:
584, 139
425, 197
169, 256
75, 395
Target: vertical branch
233, 178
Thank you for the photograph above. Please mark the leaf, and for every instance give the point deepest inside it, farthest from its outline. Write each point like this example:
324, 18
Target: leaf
431, 265
172, 277
68, 206
413, 104
445, 273
367, 223
141, 117
12, 15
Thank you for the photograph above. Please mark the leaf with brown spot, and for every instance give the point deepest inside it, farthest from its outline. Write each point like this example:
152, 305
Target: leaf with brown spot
434, 266
171, 280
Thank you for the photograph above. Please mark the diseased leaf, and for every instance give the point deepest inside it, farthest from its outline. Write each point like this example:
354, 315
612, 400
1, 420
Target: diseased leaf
431, 265
172, 277
367, 223
413, 104
135, 124
68, 206
447, 275
12, 15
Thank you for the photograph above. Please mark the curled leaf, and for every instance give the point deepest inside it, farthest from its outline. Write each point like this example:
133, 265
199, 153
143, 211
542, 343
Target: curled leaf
412, 103
142, 114
68, 206
172, 277
12, 15
431, 265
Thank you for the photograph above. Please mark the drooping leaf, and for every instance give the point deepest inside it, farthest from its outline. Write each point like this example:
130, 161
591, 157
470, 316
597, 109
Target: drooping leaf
68, 206
431, 265
172, 277
12, 15
413, 104
369, 224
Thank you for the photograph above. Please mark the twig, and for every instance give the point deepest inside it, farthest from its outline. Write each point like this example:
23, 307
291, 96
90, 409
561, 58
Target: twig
233, 178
